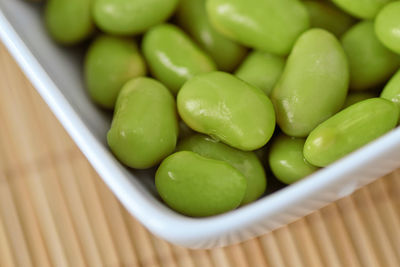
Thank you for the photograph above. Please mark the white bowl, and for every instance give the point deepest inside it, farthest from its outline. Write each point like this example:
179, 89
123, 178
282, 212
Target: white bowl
57, 75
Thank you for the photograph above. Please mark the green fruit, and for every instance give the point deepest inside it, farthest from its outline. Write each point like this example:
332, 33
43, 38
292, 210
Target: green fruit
313, 85
197, 186
172, 57
130, 17
193, 18
387, 26
392, 89
349, 130
370, 62
225, 107
355, 97
69, 21
326, 16
261, 69
363, 9
111, 62
287, 161
246, 163
269, 25
144, 129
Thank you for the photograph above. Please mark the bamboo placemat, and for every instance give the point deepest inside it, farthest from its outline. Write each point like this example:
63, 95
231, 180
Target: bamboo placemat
56, 211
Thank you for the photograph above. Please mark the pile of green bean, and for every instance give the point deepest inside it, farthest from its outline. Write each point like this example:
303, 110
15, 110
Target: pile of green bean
201, 88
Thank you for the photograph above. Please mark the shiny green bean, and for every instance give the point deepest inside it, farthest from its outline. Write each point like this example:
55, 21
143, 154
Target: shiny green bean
127, 17
391, 91
287, 161
371, 63
144, 128
173, 57
197, 186
225, 107
244, 161
363, 9
313, 85
268, 25
261, 69
387, 26
110, 62
69, 21
192, 17
349, 130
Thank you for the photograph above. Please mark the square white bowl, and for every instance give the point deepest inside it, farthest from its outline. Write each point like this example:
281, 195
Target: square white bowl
56, 73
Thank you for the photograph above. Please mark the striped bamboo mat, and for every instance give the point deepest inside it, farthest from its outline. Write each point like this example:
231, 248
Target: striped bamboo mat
56, 211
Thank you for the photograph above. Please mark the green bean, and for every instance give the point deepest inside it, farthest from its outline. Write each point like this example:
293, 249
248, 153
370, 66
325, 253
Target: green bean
268, 25
127, 17
225, 107
144, 129
261, 69
69, 21
192, 17
173, 57
313, 85
371, 64
244, 161
110, 62
349, 130
197, 186
387, 26
287, 161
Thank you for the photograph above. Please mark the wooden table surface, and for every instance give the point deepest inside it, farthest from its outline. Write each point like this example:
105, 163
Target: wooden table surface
56, 211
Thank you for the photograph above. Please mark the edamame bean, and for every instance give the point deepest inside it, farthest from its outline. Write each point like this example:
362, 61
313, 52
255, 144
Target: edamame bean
246, 163
261, 69
69, 21
110, 62
387, 26
267, 25
193, 18
172, 57
349, 130
144, 129
391, 91
363, 9
225, 107
287, 161
313, 85
129, 17
326, 16
355, 97
197, 186
370, 62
